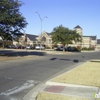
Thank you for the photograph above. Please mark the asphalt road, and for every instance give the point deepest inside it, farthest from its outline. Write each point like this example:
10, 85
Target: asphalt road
17, 77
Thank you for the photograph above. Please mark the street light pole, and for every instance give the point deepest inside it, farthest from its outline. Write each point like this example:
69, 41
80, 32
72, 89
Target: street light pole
41, 19
25, 39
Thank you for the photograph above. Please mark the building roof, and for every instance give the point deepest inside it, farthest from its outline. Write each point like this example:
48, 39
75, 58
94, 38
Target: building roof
31, 37
92, 37
98, 41
77, 26
48, 33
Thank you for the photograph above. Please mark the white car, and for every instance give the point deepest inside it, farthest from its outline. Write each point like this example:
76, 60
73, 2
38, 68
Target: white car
59, 48
39, 47
27, 47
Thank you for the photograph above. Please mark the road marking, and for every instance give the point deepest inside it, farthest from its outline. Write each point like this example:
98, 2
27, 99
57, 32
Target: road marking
26, 85
9, 78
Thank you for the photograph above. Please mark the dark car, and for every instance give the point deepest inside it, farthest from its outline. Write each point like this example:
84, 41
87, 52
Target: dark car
11, 47
69, 49
72, 49
19, 47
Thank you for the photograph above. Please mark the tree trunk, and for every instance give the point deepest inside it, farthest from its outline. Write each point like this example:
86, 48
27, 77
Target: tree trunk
64, 48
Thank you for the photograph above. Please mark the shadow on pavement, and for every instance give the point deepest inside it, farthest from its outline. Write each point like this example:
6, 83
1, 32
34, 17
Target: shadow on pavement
53, 58
75, 60
65, 59
21, 53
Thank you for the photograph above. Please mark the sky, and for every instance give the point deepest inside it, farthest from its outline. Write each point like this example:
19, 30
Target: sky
69, 13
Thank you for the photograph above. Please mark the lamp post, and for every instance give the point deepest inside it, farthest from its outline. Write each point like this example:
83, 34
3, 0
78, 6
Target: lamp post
41, 19
25, 39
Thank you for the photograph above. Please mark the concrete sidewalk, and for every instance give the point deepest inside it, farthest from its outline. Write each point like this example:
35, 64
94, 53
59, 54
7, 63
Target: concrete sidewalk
50, 92
77, 91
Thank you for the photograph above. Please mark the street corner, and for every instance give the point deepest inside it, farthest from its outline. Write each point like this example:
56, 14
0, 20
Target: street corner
47, 89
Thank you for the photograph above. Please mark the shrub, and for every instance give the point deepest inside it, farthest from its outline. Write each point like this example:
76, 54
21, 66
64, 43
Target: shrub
84, 48
48, 48
87, 48
54, 46
1, 45
76, 49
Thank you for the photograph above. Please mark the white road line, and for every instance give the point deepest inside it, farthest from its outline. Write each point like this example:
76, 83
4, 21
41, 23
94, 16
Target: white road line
26, 85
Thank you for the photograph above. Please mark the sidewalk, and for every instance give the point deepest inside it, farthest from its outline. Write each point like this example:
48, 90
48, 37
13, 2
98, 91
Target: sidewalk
79, 83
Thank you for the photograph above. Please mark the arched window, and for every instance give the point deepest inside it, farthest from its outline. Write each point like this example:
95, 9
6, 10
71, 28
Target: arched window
43, 39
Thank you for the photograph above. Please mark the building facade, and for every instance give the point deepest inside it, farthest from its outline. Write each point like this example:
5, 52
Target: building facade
87, 41
26, 39
46, 40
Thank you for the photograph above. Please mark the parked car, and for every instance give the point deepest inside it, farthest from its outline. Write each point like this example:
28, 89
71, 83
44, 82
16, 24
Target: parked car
69, 48
72, 49
59, 48
11, 46
39, 47
30, 47
19, 47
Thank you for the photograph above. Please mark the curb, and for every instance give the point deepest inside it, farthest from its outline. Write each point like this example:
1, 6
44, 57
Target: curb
69, 85
34, 92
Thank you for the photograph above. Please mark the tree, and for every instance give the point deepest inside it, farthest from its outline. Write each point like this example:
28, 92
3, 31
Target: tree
75, 36
64, 35
11, 20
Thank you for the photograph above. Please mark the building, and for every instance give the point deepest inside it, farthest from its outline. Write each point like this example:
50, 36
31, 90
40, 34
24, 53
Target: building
4, 43
98, 44
26, 39
87, 41
46, 40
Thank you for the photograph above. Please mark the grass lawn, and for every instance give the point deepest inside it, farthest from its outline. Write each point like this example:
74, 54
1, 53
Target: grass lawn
50, 96
86, 74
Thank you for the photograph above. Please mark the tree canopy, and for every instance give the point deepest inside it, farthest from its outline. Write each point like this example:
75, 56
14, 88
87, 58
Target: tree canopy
65, 36
11, 20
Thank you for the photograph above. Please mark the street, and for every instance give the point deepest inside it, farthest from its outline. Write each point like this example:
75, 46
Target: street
18, 77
